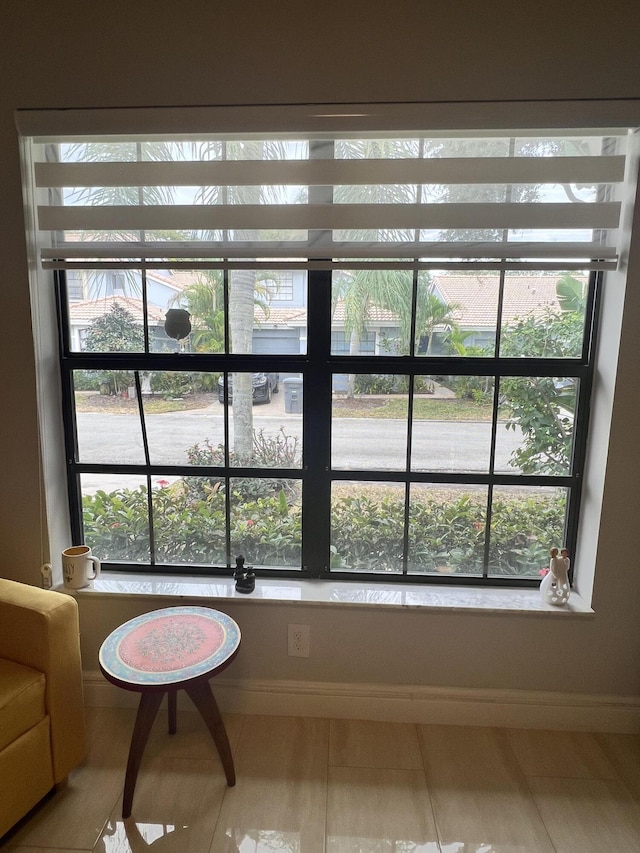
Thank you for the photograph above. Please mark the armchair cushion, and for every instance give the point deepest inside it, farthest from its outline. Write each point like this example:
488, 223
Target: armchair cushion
42, 734
21, 700
39, 629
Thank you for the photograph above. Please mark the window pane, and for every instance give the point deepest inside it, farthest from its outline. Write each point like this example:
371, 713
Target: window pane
447, 529
452, 423
266, 521
107, 418
189, 521
543, 316
268, 312
367, 527
525, 524
457, 314
342, 343
265, 419
369, 426
106, 312
371, 312
278, 286
184, 422
115, 517
537, 414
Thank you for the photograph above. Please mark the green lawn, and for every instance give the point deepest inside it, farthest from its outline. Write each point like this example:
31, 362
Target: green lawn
423, 408
427, 408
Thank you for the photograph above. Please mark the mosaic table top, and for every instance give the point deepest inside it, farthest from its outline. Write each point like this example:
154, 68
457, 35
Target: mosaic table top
169, 646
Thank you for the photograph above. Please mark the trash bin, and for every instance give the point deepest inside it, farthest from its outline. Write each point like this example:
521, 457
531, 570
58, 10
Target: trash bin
292, 395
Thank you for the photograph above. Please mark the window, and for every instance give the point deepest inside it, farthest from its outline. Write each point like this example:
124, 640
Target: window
365, 343
419, 409
280, 288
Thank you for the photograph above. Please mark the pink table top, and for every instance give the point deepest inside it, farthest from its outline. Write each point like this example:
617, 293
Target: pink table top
169, 646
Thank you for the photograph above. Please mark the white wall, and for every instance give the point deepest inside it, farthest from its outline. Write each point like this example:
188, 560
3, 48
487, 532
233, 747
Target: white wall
102, 54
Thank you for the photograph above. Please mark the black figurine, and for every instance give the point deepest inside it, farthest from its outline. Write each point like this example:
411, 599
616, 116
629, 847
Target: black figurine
245, 578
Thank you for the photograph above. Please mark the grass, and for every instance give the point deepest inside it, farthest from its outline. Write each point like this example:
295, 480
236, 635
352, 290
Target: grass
423, 409
94, 402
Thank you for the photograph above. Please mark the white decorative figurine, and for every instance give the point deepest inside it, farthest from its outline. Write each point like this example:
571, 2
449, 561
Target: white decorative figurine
555, 587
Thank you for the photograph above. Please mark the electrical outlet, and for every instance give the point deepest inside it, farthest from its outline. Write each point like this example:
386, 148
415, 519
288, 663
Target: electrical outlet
299, 644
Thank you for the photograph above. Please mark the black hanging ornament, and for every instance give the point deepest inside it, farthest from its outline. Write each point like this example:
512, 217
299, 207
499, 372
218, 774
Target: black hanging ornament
177, 323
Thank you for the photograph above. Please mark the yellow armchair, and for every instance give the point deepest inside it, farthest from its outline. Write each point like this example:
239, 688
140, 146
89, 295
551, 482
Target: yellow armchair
42, 729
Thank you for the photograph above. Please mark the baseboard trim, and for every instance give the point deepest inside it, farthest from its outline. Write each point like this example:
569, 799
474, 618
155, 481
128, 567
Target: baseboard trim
405, 703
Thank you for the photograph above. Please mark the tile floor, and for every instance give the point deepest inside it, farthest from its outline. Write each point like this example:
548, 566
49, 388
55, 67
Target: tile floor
345, 786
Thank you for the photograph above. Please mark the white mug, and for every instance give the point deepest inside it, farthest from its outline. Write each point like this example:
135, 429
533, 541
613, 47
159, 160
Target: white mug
75, 567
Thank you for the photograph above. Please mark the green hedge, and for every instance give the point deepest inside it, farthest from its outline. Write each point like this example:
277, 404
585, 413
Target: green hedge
445, 535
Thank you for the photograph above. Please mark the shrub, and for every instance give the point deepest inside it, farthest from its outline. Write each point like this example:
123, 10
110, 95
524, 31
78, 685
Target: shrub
444, 535
279, 451
178, 384
374, 383
266, 531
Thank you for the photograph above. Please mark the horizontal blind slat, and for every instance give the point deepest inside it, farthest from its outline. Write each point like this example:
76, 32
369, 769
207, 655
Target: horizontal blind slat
462, 170
184, 251
506, 264
329, 217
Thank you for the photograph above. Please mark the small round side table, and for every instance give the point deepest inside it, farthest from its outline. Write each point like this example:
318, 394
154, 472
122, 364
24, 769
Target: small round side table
176, 648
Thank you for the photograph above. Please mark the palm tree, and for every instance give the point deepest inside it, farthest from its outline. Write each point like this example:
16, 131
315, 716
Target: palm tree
109, 152
204, 300
571, 294
206, 295
389, 290
432, 313
242, 283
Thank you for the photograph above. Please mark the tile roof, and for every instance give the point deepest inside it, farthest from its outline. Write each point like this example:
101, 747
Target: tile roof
280, 316
375, 314
89, 310
477, 297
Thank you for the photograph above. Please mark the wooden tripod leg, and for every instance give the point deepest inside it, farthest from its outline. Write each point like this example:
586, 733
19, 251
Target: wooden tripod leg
147, 710
202, 697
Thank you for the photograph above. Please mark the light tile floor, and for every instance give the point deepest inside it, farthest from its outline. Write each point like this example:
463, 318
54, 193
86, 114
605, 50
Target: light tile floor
345, 786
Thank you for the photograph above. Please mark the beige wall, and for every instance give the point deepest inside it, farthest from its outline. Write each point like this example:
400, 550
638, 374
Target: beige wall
100, 54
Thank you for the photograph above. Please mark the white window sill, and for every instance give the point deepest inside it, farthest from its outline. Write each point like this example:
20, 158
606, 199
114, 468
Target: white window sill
341, 593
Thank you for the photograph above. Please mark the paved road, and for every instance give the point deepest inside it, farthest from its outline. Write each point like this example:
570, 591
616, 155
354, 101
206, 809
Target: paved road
376, 444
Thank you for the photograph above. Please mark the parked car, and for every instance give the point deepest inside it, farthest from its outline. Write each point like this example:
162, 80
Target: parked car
264, 386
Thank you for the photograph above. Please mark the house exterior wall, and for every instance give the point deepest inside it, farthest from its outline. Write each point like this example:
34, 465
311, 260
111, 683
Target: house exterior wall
61, 54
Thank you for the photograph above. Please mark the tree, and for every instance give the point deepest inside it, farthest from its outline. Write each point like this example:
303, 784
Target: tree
571, 294
476, 193
116, 331
242, 283
390, 290
204, 300
432, 313
543, 407
109, 152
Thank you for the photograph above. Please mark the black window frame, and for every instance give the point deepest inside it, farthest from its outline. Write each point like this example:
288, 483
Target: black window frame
317, 367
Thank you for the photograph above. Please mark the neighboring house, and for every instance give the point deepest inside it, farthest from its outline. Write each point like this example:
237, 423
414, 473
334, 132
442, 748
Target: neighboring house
380, 335
91, 299
476, 298
281, 326
83, 313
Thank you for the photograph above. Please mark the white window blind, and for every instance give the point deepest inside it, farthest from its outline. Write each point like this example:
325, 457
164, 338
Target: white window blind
393, 198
